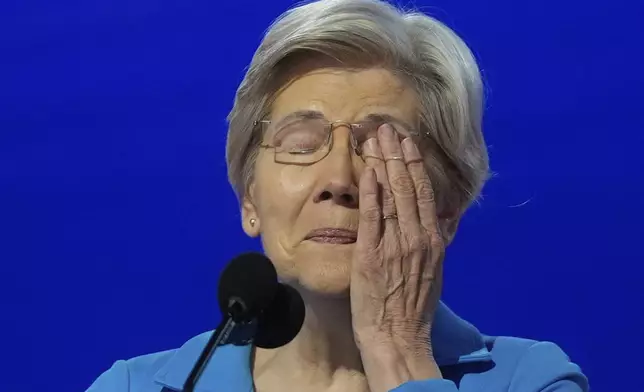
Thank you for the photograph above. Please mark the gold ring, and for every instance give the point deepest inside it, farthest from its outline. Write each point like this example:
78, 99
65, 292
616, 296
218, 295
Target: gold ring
390, 216
373, 157
395, 159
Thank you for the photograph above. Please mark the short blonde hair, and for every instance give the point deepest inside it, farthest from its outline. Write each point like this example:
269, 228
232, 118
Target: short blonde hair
417, 47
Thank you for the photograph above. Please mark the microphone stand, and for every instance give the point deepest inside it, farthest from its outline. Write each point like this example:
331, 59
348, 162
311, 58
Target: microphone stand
236, 310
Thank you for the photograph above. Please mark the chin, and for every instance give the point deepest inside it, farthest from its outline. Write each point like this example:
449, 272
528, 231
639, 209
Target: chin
325, 283
322, 272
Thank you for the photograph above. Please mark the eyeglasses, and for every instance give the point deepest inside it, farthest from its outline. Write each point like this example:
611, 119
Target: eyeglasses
305, 140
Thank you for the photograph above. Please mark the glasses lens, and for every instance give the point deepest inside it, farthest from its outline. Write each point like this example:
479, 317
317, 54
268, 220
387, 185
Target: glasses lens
301, 141
369, 129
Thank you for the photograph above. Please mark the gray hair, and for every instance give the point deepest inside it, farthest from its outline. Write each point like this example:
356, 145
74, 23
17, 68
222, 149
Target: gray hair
422, 50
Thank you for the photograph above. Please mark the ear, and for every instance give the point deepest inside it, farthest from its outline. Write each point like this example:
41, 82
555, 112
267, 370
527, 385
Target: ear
250, 218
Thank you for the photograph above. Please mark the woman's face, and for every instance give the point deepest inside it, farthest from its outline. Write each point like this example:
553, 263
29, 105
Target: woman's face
307, 215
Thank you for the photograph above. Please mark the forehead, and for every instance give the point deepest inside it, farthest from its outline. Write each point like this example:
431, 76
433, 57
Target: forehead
344, 94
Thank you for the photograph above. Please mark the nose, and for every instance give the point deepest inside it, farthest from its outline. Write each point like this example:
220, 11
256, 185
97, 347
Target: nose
342, 194
340, 182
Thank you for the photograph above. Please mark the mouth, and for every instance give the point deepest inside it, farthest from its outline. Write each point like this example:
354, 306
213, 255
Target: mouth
332, 236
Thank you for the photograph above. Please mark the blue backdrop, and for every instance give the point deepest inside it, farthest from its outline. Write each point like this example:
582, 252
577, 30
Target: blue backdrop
116, 215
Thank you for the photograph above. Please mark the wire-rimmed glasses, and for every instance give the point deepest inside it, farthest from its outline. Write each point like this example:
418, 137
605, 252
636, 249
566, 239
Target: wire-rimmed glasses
304, 138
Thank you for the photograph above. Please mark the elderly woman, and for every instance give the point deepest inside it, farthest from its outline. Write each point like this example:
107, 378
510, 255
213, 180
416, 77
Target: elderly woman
355, 147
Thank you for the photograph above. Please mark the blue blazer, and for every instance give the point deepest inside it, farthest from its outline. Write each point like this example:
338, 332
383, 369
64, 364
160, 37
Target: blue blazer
469, 361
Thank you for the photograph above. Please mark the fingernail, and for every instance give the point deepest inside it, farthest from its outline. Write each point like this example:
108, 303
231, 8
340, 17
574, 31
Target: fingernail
371, 146
386, 131
410, 149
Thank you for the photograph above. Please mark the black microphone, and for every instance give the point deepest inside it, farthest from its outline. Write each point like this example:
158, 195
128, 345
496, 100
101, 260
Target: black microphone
250, 295
247, 286
282, 320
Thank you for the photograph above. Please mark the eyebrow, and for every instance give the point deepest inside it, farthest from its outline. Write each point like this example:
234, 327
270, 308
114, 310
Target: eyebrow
388, 118
299, 115
317, 115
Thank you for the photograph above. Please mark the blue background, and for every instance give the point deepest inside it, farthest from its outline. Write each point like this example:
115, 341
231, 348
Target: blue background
116, 215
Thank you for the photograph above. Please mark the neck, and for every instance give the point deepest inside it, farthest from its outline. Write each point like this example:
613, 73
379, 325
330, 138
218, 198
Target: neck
324, 352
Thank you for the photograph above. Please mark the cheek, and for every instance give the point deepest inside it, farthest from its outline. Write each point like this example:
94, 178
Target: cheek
284, 190
295, 182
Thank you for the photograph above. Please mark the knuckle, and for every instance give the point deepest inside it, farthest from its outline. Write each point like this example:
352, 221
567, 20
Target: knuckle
437, 241
402, 183
369, 198
416, 243
425, 191
371, 214
419, 242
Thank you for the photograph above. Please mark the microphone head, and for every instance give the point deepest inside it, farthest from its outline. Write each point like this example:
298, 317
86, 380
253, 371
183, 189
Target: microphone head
282, 320
247, 286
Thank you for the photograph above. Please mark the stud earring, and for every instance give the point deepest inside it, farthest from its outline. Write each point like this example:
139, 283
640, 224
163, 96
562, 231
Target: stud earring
252, 222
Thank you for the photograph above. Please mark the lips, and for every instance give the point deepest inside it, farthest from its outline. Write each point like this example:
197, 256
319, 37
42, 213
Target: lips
333, 236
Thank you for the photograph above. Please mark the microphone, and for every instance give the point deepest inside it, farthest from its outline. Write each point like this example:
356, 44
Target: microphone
247, 286
283, 319
249, 294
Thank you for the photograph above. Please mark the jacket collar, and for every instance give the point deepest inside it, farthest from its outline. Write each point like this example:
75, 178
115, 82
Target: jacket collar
454, 341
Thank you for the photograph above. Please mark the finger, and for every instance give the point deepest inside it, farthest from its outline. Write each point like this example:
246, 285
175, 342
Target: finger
400, 181
428, 272
424, 191
370, 210
373, 157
